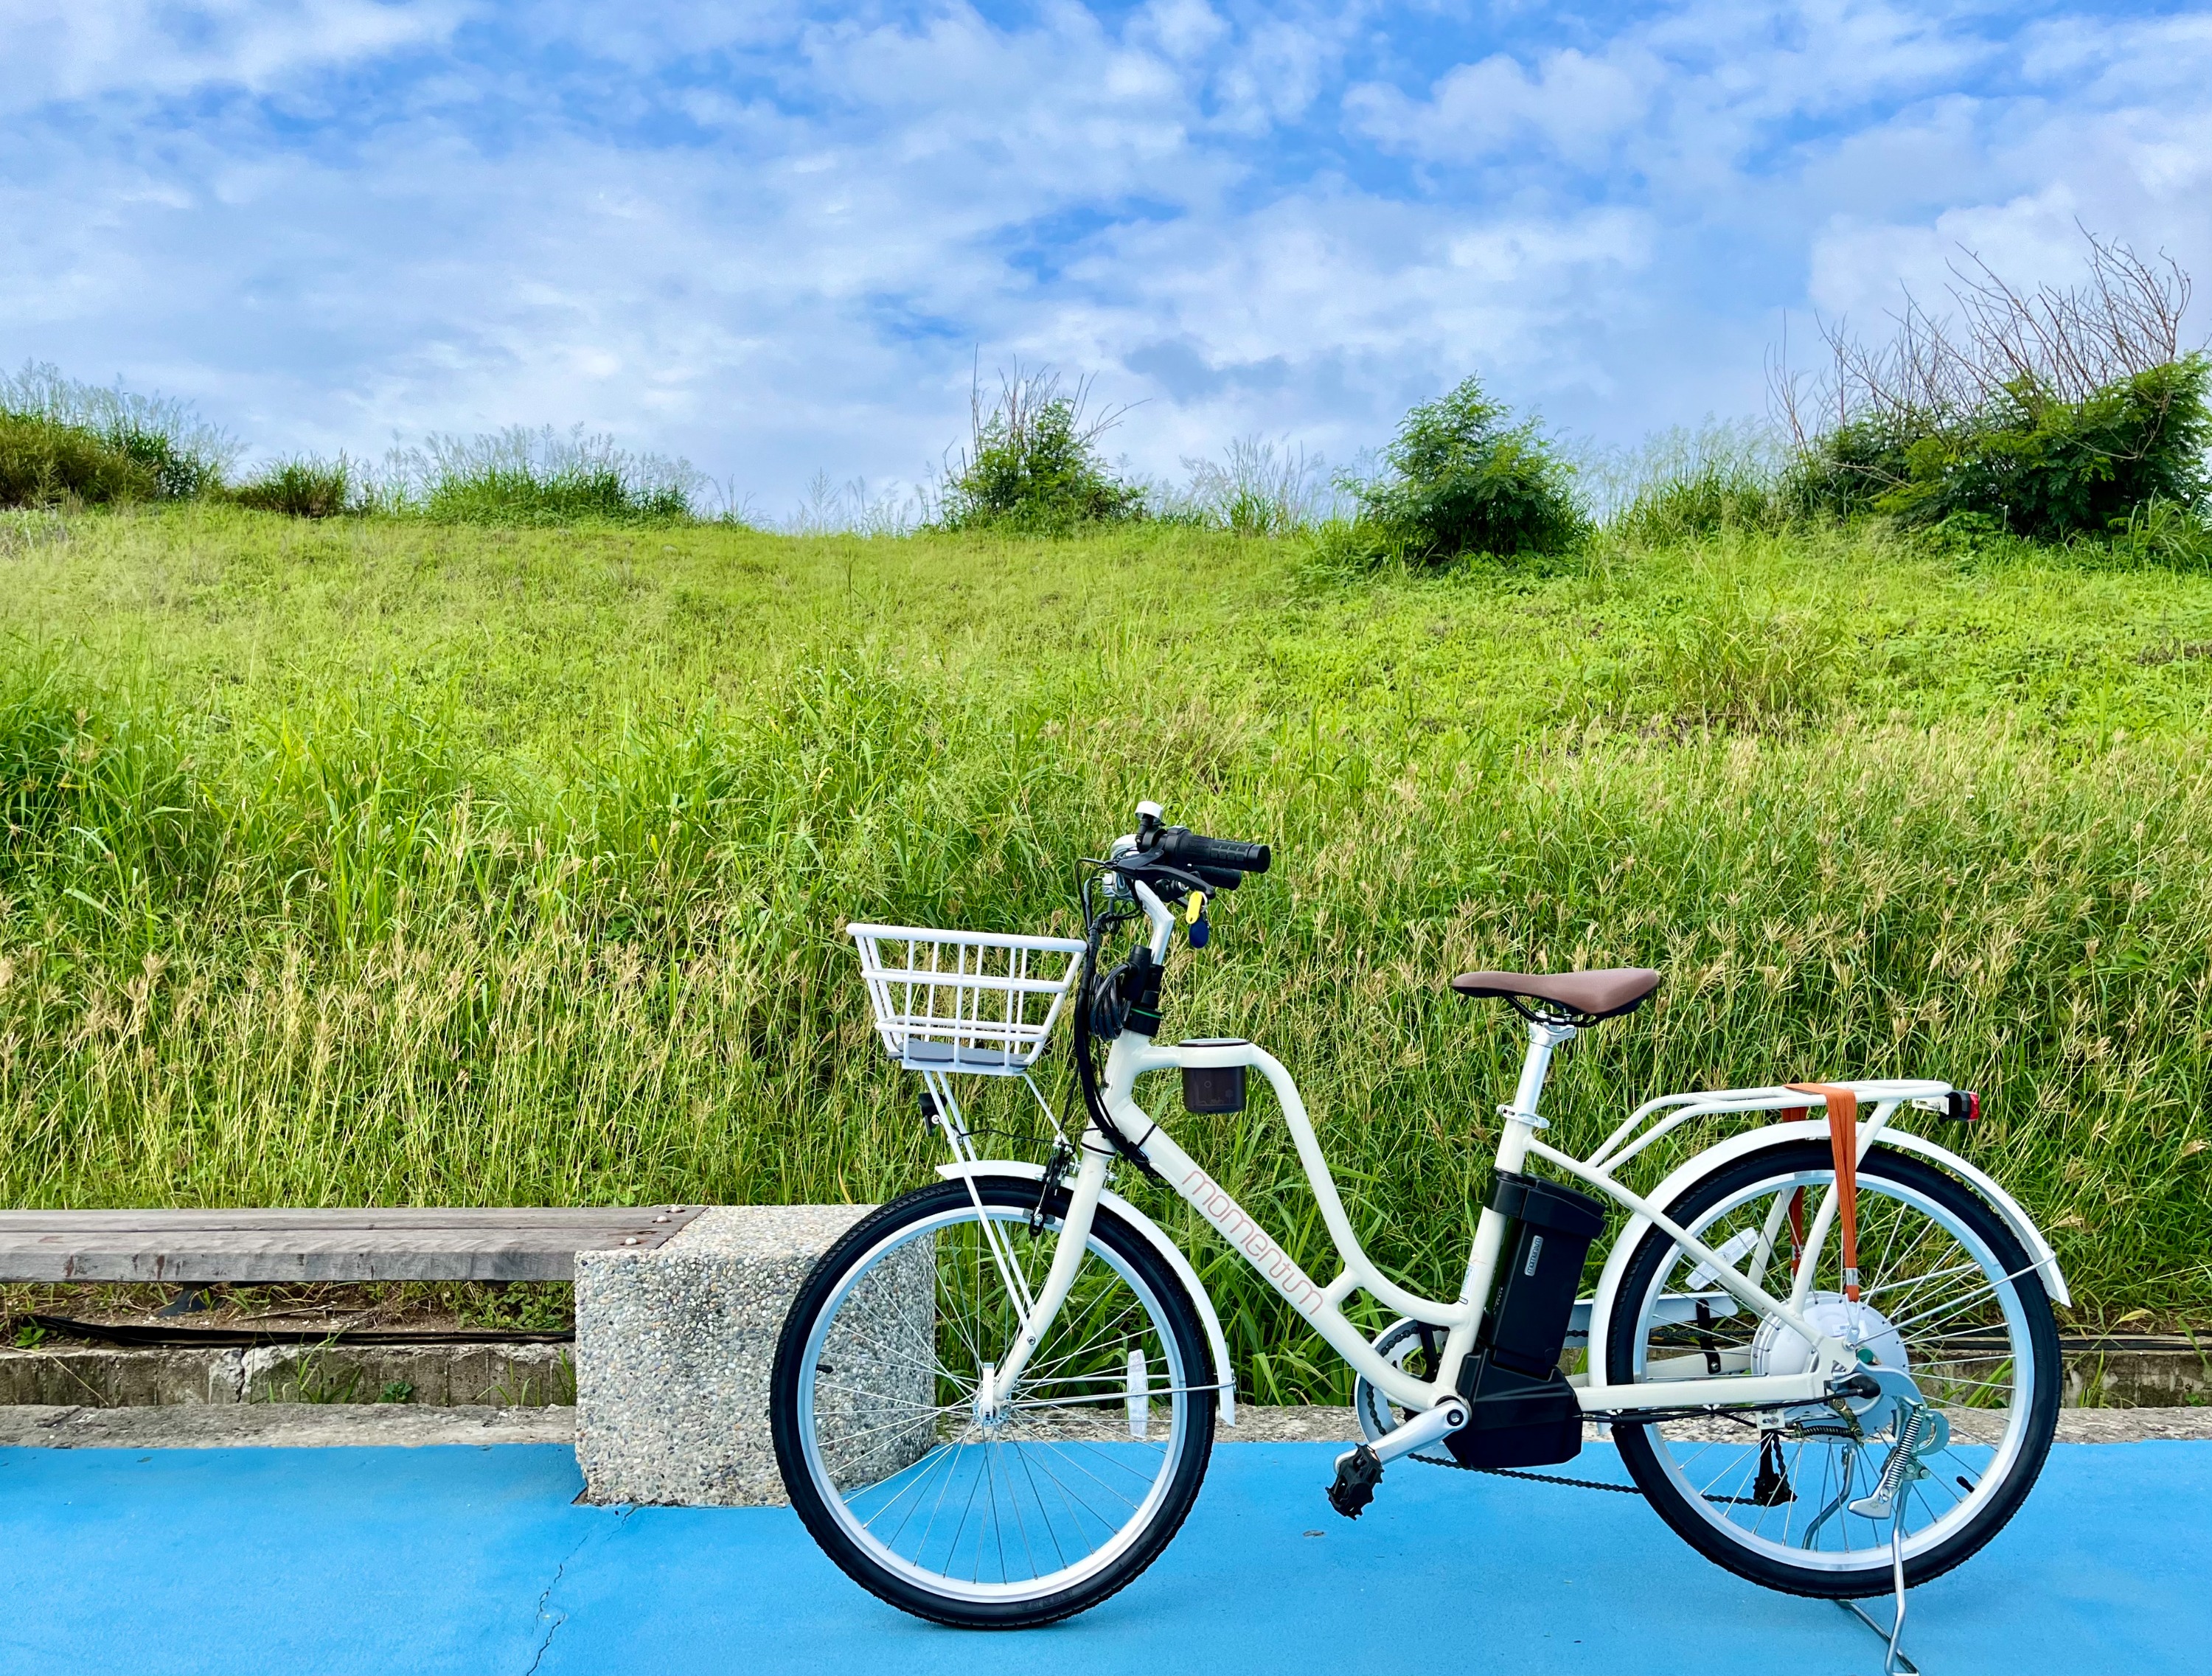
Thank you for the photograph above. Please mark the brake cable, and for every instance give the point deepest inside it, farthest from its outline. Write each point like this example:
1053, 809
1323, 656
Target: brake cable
1096, 926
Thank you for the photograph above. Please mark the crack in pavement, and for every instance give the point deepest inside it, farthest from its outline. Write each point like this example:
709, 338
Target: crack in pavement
545, 1599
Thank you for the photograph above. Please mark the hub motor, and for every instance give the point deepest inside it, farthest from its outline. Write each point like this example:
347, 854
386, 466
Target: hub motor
1777, 1349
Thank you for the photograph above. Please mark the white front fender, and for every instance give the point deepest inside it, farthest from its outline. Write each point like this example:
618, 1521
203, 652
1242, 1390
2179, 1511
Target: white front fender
1729, 1152
1169, 1251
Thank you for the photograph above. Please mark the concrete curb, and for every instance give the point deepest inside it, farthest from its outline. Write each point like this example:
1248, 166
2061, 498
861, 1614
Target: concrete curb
2143, 1373
317, 1425
2076, 1425
435, 1376
291, 1426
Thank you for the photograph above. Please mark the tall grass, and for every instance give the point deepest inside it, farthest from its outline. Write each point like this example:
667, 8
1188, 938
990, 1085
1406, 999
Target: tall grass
832, 508
520, 477
304, 488
1260, 487
1684, 483
333, 874
178, 453
44, 462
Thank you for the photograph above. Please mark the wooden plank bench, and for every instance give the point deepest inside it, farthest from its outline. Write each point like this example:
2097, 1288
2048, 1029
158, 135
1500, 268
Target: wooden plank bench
266, 1248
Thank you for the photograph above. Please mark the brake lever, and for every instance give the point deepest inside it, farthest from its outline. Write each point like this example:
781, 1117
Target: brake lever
1146, 865
1187, 881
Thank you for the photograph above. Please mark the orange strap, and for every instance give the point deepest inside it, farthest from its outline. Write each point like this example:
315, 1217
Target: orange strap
1843, 1144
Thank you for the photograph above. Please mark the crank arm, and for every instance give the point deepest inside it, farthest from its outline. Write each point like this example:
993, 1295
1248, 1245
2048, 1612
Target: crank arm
1446, 1418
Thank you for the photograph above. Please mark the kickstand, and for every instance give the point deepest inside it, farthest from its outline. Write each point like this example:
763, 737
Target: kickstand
1895, 1663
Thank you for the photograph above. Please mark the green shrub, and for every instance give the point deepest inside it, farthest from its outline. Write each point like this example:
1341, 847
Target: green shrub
42, 462
1460, 478
2045, 413
1845, 472
2028, 462
2049, 469
303, 488
1033, 465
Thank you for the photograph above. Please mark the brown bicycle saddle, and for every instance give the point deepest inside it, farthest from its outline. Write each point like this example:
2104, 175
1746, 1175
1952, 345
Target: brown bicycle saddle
1582, 997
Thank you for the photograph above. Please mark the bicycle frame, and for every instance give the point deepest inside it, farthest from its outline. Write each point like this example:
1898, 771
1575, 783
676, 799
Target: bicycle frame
1133, 1056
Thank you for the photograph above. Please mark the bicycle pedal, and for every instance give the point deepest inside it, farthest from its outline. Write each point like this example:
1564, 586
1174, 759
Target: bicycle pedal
1358, 1472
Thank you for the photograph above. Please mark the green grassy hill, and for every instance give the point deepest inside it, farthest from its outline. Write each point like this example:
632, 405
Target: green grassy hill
375, 860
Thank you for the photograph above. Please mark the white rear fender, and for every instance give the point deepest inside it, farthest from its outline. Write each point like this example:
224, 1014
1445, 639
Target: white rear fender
1600, 1309
1158, 1240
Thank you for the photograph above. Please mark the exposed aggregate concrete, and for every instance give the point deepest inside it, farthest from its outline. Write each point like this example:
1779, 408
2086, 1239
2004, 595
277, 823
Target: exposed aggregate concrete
674, 1352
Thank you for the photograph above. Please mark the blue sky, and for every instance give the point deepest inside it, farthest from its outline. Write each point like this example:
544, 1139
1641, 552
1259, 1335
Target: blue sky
777, 238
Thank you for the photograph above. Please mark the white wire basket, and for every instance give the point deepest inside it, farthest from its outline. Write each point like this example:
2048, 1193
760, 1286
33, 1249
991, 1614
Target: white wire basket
961, 1000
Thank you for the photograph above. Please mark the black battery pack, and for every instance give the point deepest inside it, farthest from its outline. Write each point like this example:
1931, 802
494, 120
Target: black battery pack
1522, 1411
1526, 1326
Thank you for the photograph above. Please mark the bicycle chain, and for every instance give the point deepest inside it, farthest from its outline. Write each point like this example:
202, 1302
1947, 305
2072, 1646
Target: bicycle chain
1542, 1477
1518, 1472
1580, 1484
1572, 1484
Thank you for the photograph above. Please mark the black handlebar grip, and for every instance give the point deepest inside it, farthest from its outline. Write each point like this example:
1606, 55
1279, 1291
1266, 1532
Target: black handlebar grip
1193, 850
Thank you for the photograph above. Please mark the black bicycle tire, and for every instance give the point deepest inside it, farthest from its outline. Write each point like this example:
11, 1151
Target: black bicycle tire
1181, 1317
1661, 1489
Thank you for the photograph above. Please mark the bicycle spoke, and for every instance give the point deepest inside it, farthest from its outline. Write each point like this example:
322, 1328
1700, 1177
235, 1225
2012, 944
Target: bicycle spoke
1039, 1490
1988, 1289
1926, 1286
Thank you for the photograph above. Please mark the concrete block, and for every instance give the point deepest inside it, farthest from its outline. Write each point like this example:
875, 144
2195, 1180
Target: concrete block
674, 1348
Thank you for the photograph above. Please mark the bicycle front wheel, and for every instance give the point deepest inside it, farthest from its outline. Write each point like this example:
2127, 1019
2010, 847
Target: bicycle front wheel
1946, 1293
1008, 1518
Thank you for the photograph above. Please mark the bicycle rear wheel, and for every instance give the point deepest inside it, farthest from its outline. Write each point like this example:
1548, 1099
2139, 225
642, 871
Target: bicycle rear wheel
1946, 1292
990, 1521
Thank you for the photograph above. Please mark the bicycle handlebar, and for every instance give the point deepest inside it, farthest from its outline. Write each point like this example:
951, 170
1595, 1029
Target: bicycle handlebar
1189, 849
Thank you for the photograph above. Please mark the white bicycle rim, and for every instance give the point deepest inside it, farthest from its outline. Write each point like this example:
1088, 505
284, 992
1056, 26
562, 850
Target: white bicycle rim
1771, 1529
1023, 1458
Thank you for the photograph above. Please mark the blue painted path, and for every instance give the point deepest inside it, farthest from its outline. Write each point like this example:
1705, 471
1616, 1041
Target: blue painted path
475, 1560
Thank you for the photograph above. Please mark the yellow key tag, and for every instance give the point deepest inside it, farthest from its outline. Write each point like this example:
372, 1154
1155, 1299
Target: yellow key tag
1194, 906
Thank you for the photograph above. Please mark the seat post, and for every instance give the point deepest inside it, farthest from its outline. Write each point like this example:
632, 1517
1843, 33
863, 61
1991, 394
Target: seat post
1534, 1067
1519, 1128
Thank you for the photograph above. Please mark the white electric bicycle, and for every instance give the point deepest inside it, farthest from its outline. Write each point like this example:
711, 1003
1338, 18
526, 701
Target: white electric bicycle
1824, 1345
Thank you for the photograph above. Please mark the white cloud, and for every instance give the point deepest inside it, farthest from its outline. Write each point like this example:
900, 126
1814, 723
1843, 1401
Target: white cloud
1574, 104
2112, 131
1183, 29
70, 50
776, 242
1675, 90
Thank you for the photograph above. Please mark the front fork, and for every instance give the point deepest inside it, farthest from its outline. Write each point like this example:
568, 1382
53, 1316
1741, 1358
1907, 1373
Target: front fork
1075, 1226
996, 1383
